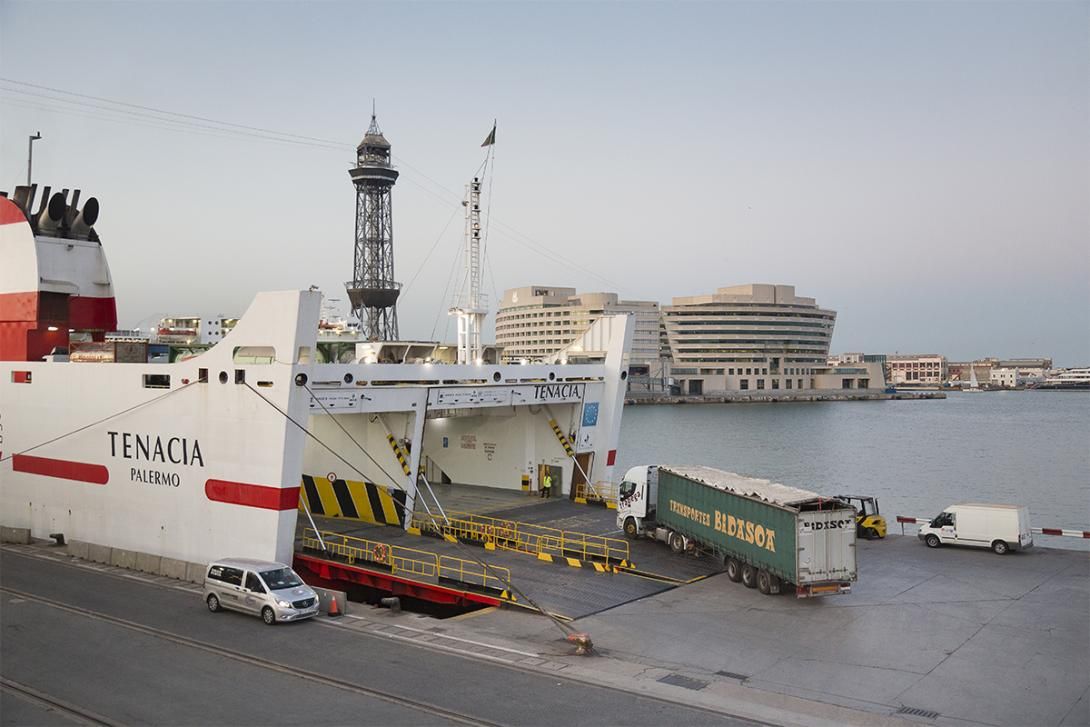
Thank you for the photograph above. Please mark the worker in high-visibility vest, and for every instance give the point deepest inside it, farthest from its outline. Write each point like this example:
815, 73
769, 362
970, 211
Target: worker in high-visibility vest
547, 485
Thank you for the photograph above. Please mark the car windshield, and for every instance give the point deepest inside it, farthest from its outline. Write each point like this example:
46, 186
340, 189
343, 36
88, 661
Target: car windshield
281, 578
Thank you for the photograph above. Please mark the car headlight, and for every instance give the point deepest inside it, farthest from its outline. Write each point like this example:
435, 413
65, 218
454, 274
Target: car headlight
282, 604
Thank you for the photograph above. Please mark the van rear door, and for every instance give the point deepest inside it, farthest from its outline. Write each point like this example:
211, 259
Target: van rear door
1025, 534
826, 545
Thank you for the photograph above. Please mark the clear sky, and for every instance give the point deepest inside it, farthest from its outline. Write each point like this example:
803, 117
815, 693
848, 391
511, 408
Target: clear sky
923, 168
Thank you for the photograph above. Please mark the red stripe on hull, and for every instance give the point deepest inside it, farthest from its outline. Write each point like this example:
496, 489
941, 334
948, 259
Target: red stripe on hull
94, 474
263, 496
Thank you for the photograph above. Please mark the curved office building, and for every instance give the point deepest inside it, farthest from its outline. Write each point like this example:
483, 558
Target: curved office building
747, 338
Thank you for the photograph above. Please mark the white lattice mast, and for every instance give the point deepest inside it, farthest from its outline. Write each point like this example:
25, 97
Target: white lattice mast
472, 313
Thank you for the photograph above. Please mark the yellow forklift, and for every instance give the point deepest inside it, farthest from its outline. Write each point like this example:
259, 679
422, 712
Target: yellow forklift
869, 523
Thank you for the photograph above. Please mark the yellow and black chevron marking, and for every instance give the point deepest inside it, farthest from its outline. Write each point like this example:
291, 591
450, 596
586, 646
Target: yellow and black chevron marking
526, 483
577, 563
563, 438
364, 501
400, 454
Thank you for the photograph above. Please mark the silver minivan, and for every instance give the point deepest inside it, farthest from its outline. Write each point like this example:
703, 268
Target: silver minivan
270, 590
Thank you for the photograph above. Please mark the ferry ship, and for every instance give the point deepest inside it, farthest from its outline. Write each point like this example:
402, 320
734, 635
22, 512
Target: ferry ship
197, 458
1076, 379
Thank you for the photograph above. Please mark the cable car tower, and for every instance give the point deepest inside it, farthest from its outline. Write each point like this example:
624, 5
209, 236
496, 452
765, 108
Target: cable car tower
372, 292
471, 313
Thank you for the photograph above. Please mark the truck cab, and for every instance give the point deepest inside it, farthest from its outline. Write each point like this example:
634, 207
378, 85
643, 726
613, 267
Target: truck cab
636, 498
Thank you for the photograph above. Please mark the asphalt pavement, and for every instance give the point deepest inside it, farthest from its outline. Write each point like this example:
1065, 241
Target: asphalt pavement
134, 652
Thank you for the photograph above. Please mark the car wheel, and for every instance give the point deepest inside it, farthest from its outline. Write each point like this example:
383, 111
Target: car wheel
932, 541
764, 582
268, 615
213, 603
734, 570
749, 576
677, 543
1000, 547
630, 529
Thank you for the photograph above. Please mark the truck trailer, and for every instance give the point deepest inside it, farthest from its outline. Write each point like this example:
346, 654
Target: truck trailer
769, 536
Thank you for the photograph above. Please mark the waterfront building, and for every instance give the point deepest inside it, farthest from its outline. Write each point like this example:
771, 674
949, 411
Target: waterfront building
959, 373
536, 321
917, 369
844, 358
1006, 378
755, 337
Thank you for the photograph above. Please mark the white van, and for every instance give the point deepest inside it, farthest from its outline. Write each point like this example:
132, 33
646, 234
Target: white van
1002, 528
270, 590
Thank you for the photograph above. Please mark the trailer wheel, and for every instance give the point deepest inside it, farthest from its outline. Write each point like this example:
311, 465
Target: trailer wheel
749, 576
932, 541
764, 583
630, 529
734, 570
1000, 547
677, 543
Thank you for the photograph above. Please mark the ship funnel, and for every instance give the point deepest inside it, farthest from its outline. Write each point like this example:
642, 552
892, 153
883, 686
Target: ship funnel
72, 211
24, 198
86, 219
50, 220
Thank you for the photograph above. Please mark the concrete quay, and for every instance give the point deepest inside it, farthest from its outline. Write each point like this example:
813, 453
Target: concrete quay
947, 637
963, 636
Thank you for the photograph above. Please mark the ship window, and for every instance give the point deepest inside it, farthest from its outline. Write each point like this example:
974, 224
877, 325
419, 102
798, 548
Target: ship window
156, 381
202, 376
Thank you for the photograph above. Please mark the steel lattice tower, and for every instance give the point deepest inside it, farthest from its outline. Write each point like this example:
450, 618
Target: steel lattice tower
372, 291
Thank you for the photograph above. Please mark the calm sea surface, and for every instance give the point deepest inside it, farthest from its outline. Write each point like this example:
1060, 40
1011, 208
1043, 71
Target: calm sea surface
916, 457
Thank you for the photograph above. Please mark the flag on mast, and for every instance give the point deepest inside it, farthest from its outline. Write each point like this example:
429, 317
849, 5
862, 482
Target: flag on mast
491, 138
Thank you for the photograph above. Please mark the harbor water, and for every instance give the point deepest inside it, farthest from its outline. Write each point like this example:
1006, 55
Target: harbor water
916, 457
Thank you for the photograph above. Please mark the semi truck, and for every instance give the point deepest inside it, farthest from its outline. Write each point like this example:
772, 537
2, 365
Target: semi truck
768, 536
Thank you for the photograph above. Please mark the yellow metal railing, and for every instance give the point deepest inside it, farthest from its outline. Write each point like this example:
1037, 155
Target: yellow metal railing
408, 561
467, 571
605, 492
524, 537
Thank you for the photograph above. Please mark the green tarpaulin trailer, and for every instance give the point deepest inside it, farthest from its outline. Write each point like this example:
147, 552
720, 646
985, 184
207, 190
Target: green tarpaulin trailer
768, 535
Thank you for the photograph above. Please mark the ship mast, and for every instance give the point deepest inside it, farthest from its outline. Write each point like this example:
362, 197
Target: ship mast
472, 313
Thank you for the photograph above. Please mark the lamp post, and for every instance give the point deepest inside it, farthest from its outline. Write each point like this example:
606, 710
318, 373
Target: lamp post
30, 155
